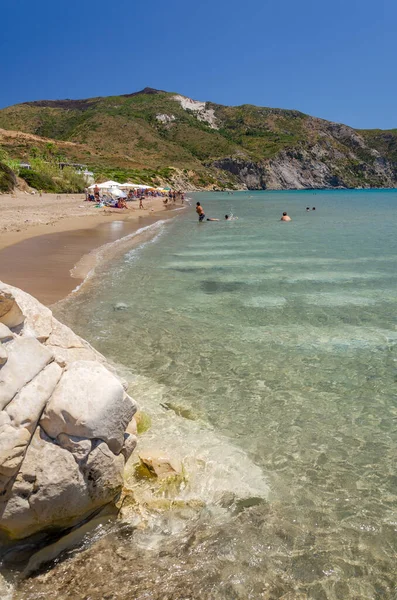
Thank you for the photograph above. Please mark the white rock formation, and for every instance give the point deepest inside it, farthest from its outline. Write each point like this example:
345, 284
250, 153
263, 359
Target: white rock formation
165, 118
199, 108
63, 421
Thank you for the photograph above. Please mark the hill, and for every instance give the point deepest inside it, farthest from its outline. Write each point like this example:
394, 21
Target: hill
155, 136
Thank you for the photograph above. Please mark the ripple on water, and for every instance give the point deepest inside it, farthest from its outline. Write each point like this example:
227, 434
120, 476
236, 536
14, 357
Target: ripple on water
265, 302
346, 338
335, 299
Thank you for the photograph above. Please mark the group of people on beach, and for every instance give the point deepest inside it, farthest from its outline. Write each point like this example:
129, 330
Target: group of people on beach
174, 196
141, 194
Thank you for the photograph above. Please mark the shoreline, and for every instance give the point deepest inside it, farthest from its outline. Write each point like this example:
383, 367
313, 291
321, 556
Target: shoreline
52, 260
23, 216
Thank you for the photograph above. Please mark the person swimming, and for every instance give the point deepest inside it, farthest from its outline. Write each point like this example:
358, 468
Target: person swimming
230, 217
285, 217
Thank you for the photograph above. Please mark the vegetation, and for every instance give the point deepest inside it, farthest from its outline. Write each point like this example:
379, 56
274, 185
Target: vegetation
38, 181
7, 178
45, 173
126, 138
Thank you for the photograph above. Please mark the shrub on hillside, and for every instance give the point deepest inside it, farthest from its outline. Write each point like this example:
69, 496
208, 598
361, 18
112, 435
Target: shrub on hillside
38, 181
72, 182
7, 178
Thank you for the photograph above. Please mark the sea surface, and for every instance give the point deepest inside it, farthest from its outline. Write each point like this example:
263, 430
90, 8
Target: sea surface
266, 354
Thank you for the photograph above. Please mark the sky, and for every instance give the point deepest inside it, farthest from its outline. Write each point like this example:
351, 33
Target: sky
331, 59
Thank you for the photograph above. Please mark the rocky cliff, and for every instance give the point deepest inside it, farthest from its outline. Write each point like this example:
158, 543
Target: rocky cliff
64, 417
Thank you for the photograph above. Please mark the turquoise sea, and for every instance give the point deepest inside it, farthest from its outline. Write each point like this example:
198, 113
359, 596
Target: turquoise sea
266, 353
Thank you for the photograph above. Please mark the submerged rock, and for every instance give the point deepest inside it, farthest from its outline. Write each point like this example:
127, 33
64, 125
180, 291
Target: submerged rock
159, 465
120, 306
64, 416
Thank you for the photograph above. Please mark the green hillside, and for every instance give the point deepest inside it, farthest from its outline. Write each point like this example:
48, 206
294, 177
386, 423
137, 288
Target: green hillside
160, 136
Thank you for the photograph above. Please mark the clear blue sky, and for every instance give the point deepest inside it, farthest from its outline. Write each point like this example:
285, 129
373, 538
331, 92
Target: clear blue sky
335, 59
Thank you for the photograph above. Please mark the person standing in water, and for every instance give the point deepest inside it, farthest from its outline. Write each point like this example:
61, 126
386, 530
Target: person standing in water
285, 217
200, 212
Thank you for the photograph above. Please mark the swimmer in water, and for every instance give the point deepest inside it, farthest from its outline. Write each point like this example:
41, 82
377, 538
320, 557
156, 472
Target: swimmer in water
285, 217
230, 218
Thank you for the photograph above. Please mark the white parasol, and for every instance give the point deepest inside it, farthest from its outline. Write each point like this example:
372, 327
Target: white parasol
104, 186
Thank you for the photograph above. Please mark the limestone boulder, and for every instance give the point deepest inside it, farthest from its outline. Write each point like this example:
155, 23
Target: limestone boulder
49, 490
26, 358
63, 337
89, 402
3, 355
13, 443
79, 447
10, 313
34, 314
130, 442
19, 420
103, 472
65, 356
5, 333
63, 420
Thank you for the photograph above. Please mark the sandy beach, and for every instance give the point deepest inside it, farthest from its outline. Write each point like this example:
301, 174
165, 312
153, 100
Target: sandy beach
42, 238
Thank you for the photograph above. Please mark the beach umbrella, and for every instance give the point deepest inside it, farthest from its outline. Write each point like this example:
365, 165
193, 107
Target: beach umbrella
137, 186
115, 191
104, 186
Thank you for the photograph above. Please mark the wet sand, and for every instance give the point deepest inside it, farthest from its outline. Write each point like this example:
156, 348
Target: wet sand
23, 216
42, 238
42, 265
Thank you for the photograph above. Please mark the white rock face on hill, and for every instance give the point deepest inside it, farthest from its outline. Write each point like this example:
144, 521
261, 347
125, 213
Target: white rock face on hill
63, 421
199, 108
165, 118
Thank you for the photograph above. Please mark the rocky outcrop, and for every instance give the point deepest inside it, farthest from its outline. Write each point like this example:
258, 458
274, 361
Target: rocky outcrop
64, 417
199, 109
251, 175
322, 166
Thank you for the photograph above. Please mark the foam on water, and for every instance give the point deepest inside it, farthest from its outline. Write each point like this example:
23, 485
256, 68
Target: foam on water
212, 463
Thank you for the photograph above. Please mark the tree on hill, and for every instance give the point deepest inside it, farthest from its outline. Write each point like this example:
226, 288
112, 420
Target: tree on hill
7, 179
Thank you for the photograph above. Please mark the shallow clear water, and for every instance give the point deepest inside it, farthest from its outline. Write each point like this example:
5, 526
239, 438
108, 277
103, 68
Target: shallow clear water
279, 339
